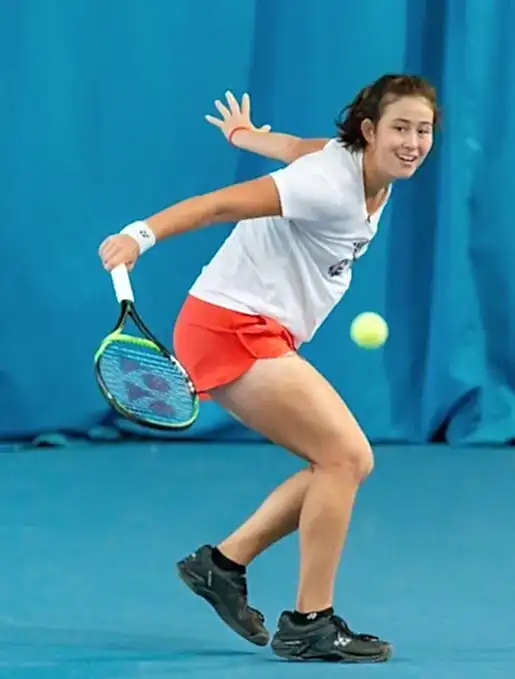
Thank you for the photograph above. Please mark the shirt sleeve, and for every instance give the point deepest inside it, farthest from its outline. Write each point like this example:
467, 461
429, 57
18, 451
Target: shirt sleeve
306, 190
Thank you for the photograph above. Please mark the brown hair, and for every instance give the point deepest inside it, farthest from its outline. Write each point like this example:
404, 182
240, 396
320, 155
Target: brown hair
373, 99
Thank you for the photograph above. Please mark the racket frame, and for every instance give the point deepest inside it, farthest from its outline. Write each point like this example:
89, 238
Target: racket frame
128, 310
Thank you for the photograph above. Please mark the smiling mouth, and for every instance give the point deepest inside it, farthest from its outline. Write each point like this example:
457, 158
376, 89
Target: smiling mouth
406, 158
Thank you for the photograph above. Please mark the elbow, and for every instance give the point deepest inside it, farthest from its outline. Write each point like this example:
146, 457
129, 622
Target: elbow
221, 210
223, 206
247, 200
293, 151
209, 208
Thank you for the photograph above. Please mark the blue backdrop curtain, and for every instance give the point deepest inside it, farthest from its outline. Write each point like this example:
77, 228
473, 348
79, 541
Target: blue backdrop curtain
102, 122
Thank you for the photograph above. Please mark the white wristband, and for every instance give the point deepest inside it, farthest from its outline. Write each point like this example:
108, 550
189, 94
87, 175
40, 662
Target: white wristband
142, 234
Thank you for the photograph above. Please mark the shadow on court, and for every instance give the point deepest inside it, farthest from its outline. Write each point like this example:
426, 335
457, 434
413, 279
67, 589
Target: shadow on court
89, 538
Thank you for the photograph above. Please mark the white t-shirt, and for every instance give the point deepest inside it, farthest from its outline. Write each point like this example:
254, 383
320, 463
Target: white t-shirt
296, 268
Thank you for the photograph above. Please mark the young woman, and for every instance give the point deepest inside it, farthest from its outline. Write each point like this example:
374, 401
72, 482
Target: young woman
272, 283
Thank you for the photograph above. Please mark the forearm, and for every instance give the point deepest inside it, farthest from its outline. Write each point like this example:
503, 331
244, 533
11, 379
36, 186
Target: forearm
276, 145
189, 214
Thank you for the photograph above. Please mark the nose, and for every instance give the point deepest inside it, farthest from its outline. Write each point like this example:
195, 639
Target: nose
411, 141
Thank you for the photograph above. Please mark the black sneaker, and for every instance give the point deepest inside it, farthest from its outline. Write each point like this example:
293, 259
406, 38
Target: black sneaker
226, 591
326, 638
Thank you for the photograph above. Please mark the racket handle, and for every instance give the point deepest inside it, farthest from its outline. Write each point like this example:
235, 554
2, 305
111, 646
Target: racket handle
122, 284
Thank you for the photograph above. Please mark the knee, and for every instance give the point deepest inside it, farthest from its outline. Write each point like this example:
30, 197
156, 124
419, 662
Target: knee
359, 459
365, 465
355, 459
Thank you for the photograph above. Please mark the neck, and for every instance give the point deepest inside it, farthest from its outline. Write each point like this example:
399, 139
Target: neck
375, 182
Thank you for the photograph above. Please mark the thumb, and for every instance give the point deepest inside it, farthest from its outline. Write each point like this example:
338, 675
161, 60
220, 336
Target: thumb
265, 128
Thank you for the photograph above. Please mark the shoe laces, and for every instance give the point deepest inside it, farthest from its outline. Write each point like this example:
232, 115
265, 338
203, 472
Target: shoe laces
344, 627
242, 584
256, 613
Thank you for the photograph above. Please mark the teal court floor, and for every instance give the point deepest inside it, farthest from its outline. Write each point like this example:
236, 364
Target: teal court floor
89, 538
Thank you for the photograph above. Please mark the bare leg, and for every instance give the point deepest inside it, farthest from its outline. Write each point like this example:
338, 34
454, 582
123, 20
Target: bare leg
277, 517
324, 522
290, 403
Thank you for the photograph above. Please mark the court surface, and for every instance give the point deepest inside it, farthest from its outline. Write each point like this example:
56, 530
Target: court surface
89, 537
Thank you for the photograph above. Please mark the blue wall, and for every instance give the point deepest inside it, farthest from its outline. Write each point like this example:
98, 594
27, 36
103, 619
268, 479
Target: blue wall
102, 122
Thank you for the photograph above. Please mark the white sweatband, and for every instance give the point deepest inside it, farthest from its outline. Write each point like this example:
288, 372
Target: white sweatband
142, 234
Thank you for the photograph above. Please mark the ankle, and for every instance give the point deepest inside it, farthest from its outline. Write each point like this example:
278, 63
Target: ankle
305, 618
225, 563
241, 550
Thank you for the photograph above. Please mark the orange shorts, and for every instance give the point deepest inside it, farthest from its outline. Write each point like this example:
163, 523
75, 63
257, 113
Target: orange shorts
217, 345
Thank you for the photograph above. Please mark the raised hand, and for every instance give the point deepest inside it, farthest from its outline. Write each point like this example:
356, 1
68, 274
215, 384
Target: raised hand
234, 115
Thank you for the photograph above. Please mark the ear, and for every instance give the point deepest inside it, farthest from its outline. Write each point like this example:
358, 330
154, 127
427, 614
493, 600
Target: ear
368, 130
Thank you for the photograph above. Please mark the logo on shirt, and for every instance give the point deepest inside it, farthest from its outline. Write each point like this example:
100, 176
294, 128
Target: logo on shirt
339, 268
345, 264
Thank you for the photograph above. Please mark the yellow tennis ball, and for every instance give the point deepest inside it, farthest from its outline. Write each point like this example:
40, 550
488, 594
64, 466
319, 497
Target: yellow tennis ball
369, 330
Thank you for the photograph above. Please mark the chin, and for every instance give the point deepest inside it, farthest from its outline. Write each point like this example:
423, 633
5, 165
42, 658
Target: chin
406, 173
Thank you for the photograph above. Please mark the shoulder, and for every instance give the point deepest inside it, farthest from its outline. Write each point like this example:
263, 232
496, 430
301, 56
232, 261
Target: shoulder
337, 156
336, 167
320, 184
333, 160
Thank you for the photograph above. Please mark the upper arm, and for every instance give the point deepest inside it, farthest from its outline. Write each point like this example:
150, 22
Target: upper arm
304, 190
304, 146
247, 200
308, 189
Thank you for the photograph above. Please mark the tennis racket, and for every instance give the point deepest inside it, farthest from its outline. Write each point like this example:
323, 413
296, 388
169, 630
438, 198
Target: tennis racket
139, 378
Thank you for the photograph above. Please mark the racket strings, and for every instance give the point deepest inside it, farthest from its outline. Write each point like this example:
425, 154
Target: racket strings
145, 382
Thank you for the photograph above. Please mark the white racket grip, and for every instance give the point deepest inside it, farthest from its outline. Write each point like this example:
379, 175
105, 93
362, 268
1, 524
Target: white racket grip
122, 284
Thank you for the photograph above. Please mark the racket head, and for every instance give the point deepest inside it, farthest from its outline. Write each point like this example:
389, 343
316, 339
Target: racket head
144, 383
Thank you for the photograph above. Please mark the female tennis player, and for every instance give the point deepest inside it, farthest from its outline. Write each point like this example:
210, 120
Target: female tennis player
274, 280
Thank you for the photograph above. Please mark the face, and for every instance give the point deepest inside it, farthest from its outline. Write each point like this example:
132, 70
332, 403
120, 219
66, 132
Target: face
402, 138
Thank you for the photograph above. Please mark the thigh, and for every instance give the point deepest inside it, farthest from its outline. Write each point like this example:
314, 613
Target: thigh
289, 402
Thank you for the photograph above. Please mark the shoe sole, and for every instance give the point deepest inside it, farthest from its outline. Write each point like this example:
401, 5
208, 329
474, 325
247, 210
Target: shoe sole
286, 652
198, 586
